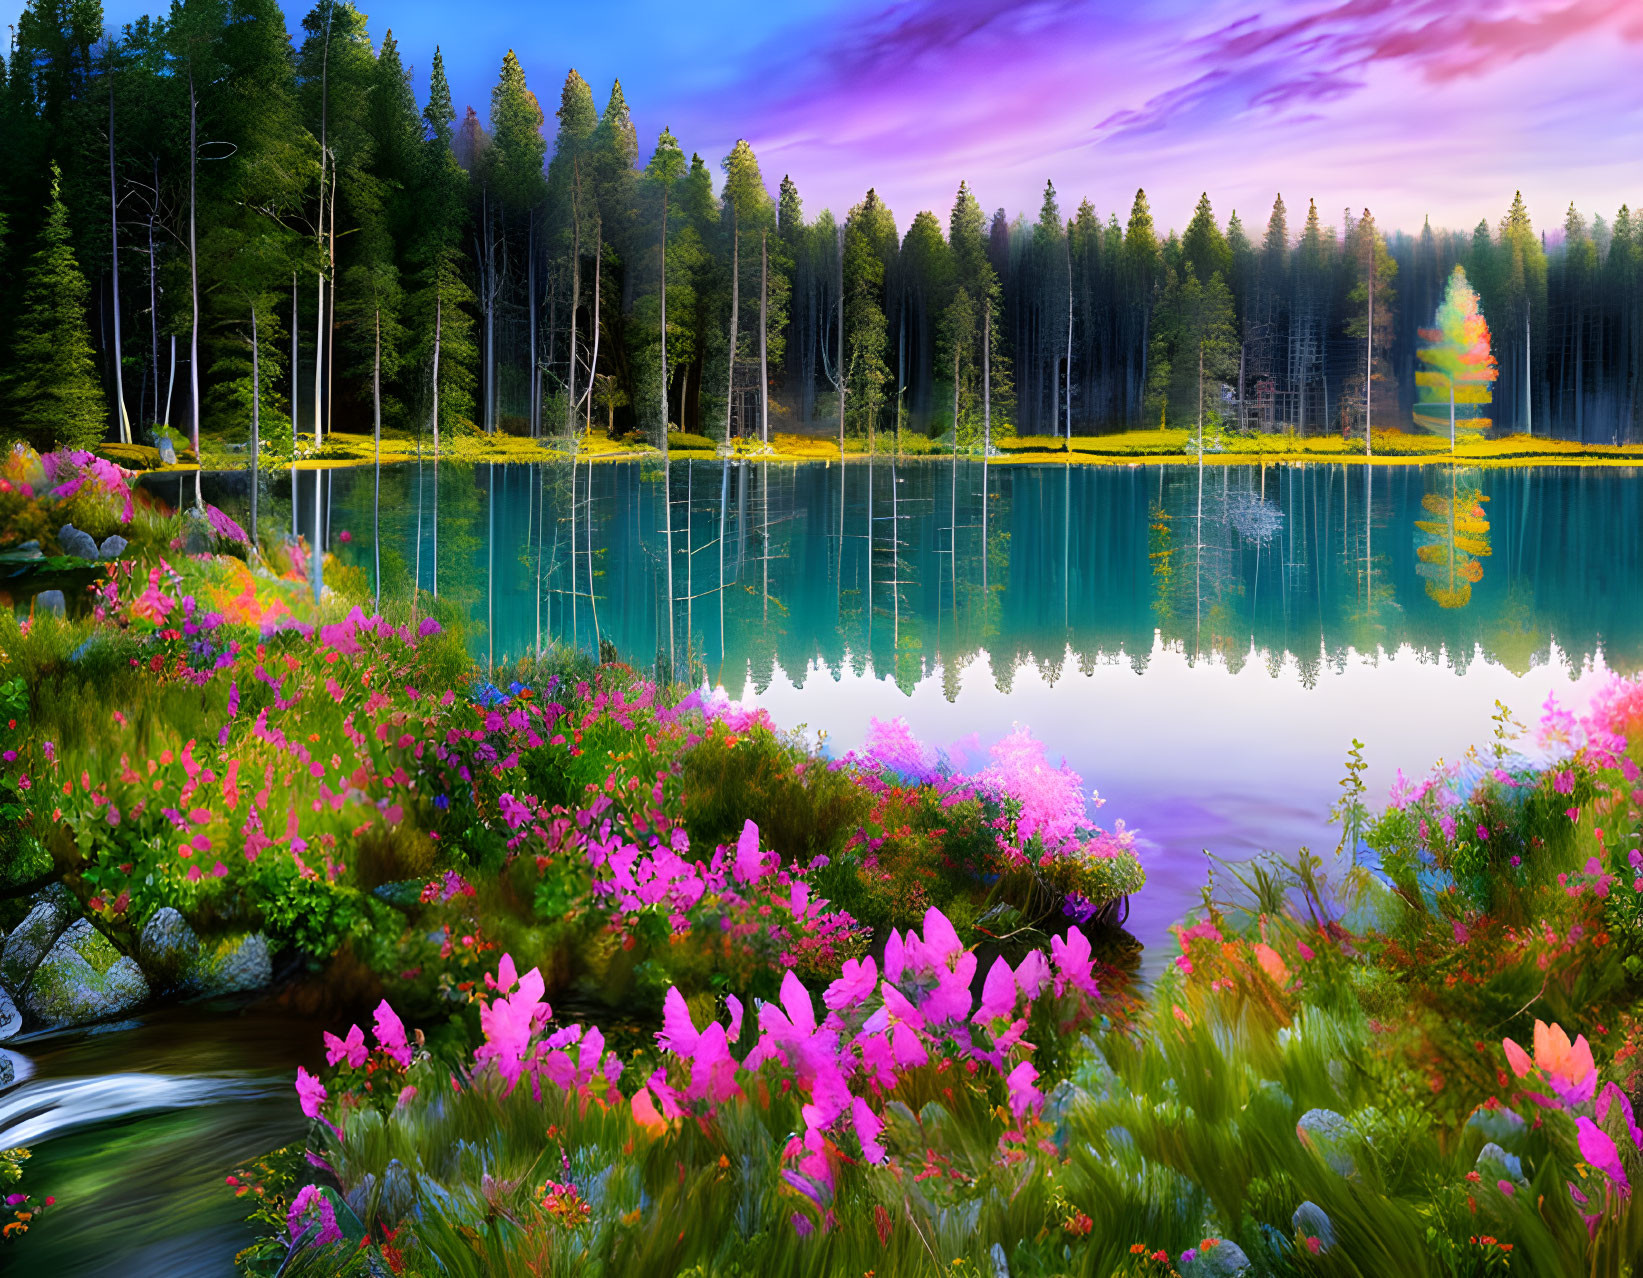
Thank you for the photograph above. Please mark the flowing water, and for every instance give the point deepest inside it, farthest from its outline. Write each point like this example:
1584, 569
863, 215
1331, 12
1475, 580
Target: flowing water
1201, 646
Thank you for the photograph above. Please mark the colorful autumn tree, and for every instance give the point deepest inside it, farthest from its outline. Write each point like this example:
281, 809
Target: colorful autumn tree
1450, 545
1458, 365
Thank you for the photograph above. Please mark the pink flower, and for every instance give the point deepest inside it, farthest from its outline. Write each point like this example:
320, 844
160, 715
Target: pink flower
1568, 1066
868, 1126
1023, 1095
1073, 963
509, 1022
854, 986
390, 1032
311, 1092
1599, 1151
998, 993
311, 1196
352, 1049
748, 865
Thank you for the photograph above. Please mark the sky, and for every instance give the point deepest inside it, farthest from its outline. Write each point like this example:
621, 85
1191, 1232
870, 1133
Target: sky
1412, 108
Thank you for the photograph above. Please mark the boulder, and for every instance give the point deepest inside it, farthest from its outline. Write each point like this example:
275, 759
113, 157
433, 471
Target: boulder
233, 965
11, 1020
30, 941
167, 950
1331, 1136
8, 1071
81, 545
1310, 1221
113, 546
168, 451
28, 550
83, 978
51, 601
1221, 1259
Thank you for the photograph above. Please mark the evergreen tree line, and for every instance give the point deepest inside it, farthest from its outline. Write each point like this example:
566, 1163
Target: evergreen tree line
212, 222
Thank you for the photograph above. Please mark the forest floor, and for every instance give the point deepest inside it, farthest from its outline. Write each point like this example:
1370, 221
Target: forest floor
1126, 448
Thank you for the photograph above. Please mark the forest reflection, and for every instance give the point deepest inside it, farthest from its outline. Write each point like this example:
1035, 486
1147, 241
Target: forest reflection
909, 569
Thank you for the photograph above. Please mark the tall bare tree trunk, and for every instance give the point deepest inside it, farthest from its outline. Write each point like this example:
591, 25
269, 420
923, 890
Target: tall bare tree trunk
256, 423
331, 328
764, 357
319, 314
293, 405
439, 317
593, 353
114, 272
194, 284
843, 385
154, 294
376, 451
664, 322
575, 302
1069, 344
1369, 364
530, 285
735, 303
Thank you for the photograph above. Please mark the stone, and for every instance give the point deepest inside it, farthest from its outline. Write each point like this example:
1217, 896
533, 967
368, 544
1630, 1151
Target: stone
1310, 1221
168, 451
11, 1020
29, 550
1224, 1259
113, 546
30, 940
82, 979
1332, 1137
233, 965
81, 545
51, 601
167, 950
8, 1071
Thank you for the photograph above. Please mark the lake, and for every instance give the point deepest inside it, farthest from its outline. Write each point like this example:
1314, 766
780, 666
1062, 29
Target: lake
1202, 646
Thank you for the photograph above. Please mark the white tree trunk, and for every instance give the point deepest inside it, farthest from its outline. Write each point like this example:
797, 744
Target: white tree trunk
664, 323
193, 285
114, 272
735, 301
764, 354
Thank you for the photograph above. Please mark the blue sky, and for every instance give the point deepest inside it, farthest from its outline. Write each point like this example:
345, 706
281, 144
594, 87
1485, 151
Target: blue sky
1409, 107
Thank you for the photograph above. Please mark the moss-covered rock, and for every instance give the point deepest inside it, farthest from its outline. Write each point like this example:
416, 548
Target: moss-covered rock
233, 965
168, 950
29, 942
83, 978
11, 1020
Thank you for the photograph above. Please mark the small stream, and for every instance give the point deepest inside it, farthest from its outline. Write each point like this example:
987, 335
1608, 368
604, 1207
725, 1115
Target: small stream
133, 1128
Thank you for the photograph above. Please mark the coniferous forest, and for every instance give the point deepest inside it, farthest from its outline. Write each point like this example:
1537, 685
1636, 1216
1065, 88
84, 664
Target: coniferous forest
208, 208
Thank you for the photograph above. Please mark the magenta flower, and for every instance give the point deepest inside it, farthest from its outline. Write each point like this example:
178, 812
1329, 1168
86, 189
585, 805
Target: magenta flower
748, 862
868, 1126
1023, 1095
311, 1092
854, 986
1599, 1151
998, 993
390, 1032
508, 1023
1073, 963
311, 1196
352, 1048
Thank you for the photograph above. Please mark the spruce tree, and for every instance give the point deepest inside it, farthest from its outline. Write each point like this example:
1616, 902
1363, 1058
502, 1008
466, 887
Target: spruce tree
51, 381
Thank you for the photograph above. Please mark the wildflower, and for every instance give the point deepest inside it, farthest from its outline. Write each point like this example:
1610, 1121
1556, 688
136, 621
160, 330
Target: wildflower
310, 1092
307, 1196
1569, 1067
390, 1034
1599, 1151
352, 1049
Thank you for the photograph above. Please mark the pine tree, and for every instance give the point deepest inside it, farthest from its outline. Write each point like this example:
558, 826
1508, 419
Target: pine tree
50, 380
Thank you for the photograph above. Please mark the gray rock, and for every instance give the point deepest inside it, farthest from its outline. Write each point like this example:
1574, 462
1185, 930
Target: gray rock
8, 1071
28, 944
113, 546
1332, 1137
83, 978
233, 965
168, 451
11, 1020
1310, 1221
81, 545
167, 949
1226, 1259
51, 601
20, 554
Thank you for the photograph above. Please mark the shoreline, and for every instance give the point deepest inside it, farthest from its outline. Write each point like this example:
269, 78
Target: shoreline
1096, 450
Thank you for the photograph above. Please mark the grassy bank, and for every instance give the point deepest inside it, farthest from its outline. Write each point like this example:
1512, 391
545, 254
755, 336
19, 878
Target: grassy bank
1149, 447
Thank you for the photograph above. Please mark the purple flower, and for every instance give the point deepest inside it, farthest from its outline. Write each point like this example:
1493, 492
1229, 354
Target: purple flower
390, 1032
311, 1195
352, 1049
1599, 1151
